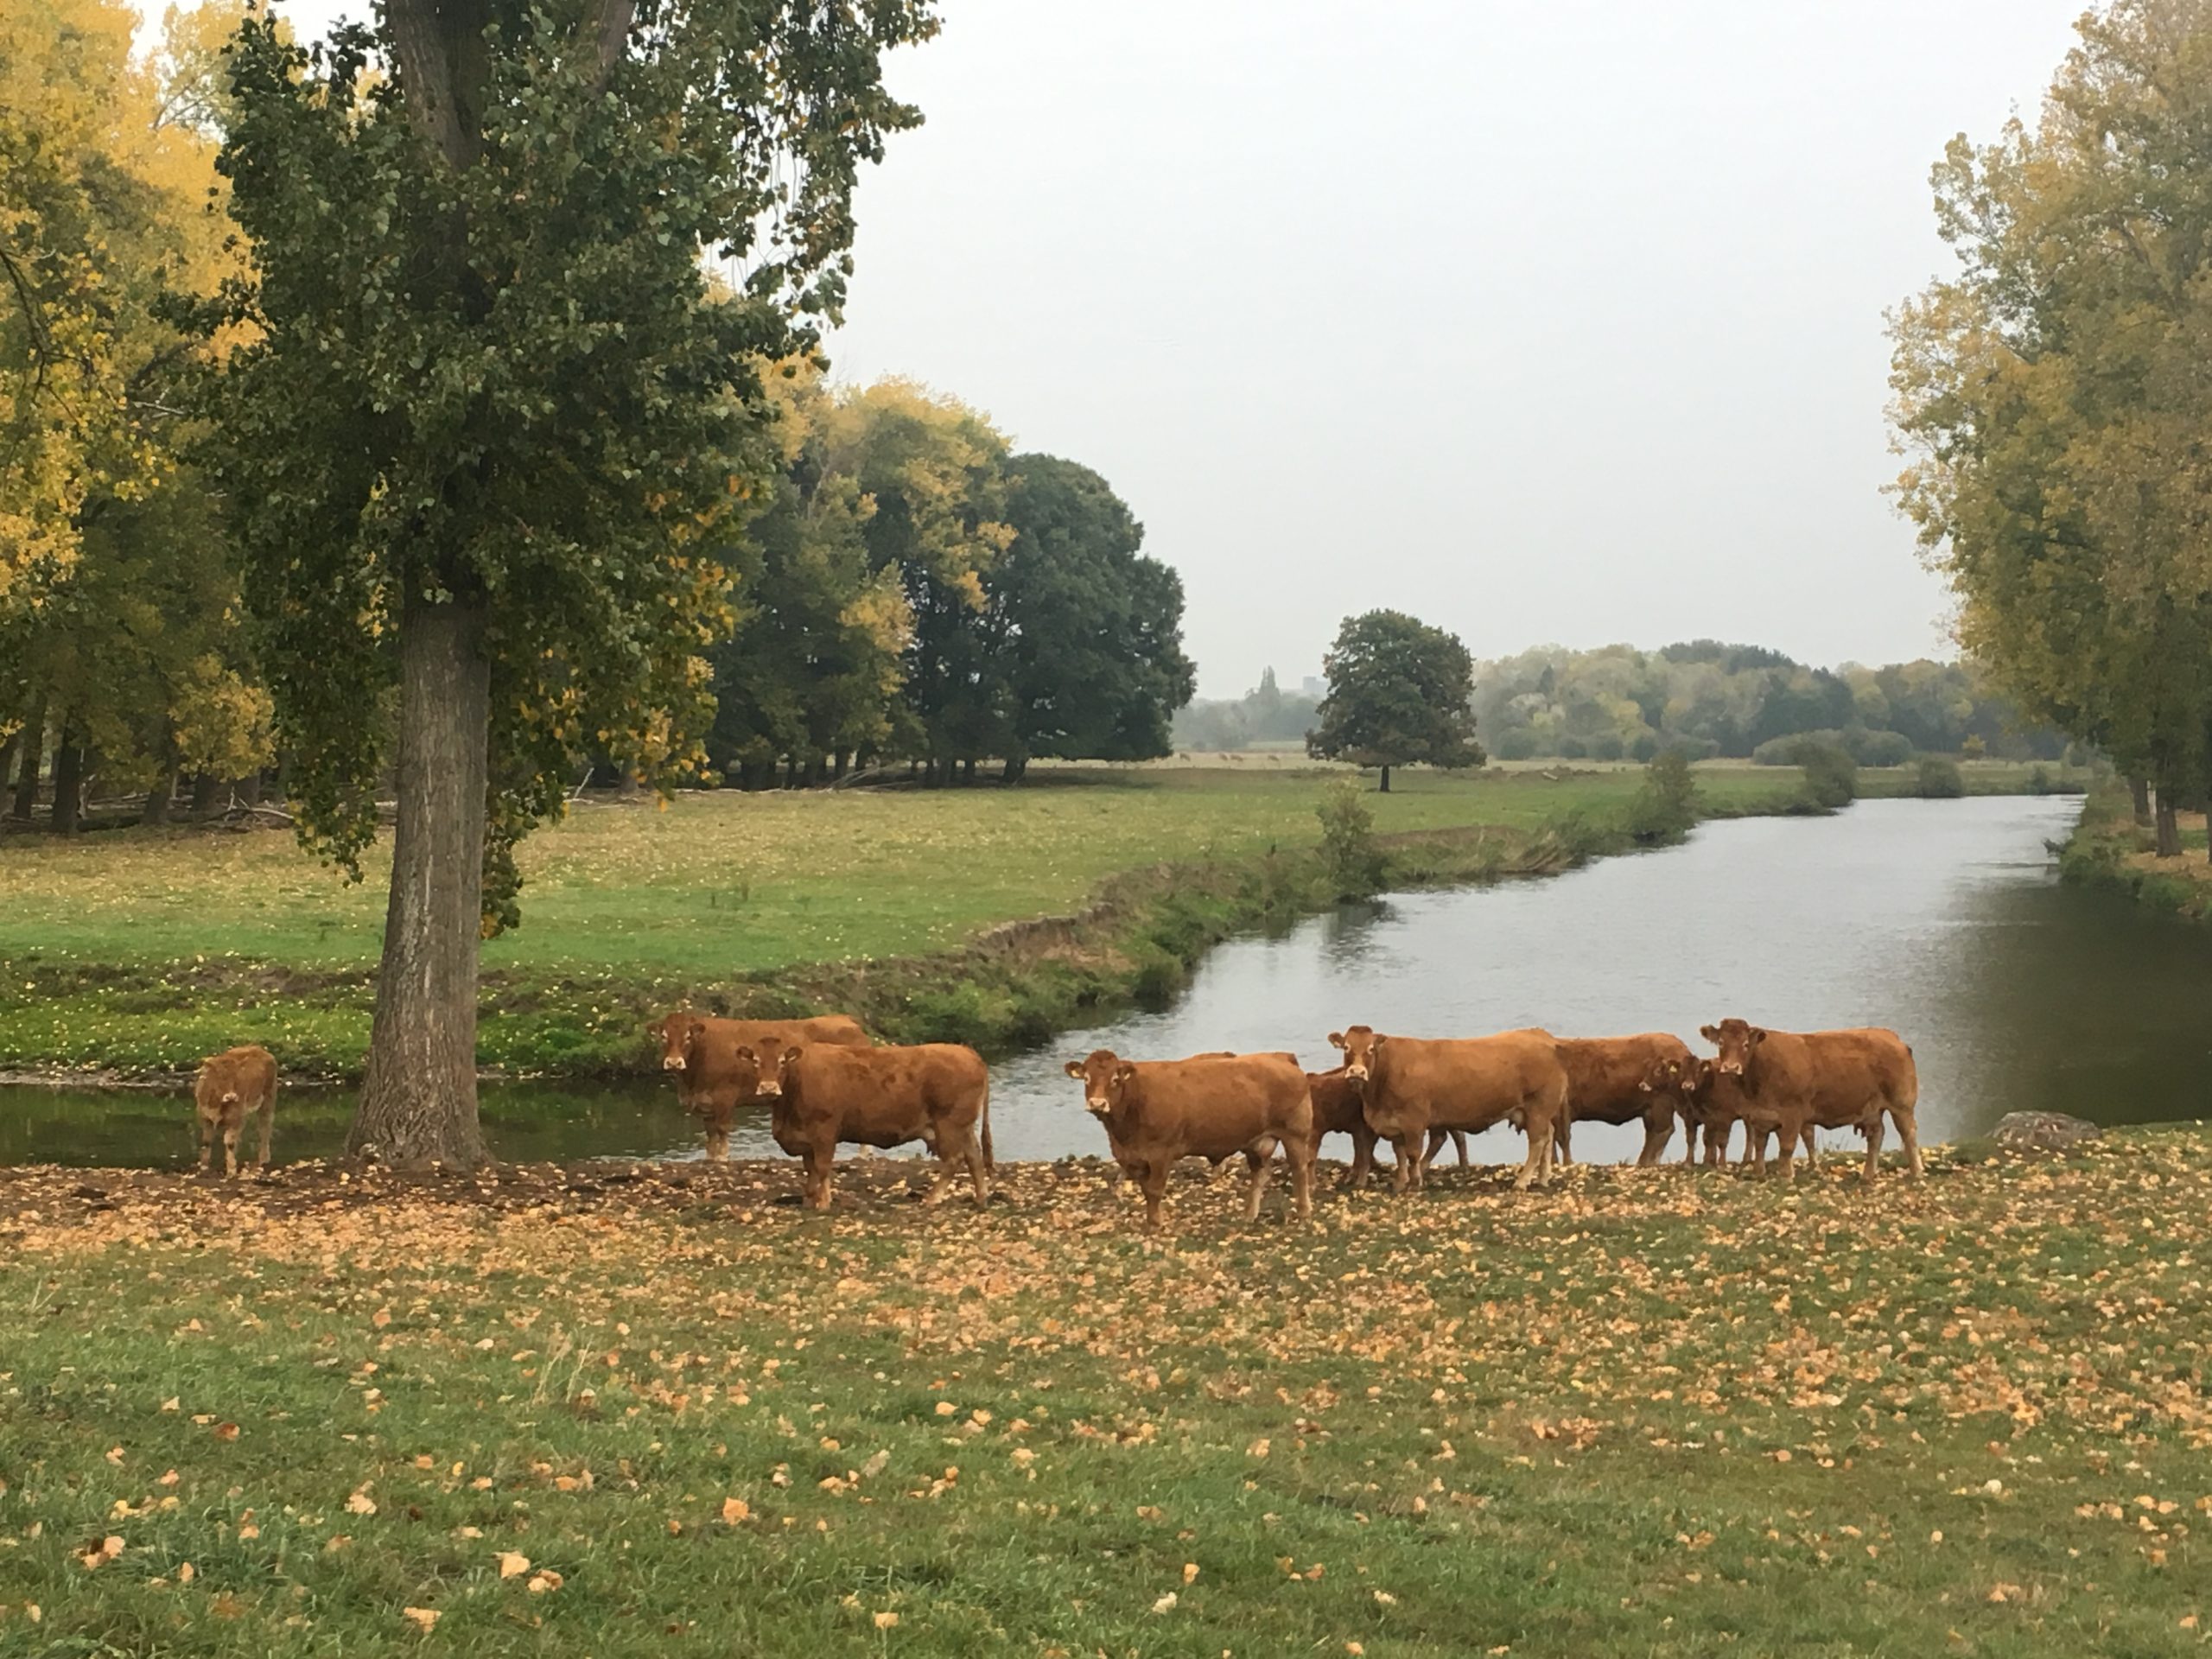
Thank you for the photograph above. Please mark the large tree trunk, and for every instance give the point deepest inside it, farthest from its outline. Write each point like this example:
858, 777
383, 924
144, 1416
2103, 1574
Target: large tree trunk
2169, 820
1384, 786
418, 1091
68, 783
2139, 787
33, 749
207, 794
160, 792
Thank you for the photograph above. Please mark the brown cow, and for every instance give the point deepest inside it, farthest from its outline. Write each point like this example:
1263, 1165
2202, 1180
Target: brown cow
1612, 1080
1337, 1111
1212, 1107
701, 1050
1410, 1086
232, 1087
938, 1093
1797, 1082
1719, 1104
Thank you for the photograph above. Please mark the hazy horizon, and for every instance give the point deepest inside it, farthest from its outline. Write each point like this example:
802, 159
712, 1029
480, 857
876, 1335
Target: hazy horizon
1558, 324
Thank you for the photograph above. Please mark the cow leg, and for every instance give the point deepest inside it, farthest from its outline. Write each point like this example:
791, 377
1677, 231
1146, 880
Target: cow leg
1539, 1146
948, 1165
979, 1173
717, 1141
1873, 1145
207, 1161
231, 1147
1301, 1177
1460, 1146
1786, 1153
1262, 1165
1363, 1157
1909, 1132
1562, 1132
818, 1160
1407, 1176
1658, 1130
1155, 1181
1434, 1145
268, 1126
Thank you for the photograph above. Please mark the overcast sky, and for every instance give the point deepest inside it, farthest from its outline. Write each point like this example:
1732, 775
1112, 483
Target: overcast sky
1546, 323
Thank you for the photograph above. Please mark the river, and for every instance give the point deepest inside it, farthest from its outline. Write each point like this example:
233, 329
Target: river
1941, 918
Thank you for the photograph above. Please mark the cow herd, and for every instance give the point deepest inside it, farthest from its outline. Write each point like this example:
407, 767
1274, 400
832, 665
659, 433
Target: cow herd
826, 1085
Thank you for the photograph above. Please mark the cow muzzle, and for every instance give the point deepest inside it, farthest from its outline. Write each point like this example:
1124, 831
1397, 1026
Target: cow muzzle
1732, 1068
1354, 1074
1097, 1107
671, 1063
770, 1087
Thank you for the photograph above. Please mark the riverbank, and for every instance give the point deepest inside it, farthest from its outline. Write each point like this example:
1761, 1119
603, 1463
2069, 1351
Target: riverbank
2109, 850
994, 917
660, 1413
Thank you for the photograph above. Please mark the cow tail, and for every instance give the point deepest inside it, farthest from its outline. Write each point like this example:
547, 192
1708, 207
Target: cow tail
989, 1162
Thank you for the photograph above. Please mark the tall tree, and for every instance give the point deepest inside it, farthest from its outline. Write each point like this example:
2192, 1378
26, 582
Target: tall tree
117, 588
482, 449
1091, 629
1400, 692
2054, 400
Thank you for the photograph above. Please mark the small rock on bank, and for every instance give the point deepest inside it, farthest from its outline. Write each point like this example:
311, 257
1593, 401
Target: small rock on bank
2044, 1131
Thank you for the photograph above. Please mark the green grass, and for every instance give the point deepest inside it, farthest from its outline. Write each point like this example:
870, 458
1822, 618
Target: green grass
2108, 848
1659, 1413
144, 949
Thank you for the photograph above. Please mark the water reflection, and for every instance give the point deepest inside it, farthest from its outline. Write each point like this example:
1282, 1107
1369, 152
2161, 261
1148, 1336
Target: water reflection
1940, 918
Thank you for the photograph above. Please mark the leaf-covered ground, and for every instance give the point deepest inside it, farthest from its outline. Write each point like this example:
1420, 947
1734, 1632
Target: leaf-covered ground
615, 1412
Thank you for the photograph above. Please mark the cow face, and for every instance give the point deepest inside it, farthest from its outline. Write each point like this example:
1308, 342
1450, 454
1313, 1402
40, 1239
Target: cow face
679, 1034
1362, 1047
1735, 1038
1104, 1076
779, 1082
1670, 1077
754, 1078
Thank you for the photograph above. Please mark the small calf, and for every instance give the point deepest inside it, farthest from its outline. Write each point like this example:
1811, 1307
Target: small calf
232, 1086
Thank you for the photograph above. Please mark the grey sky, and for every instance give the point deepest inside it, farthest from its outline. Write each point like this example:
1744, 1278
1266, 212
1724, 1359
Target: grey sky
1553, 321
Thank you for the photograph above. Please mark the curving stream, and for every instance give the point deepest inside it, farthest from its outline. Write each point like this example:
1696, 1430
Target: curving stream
1943, 919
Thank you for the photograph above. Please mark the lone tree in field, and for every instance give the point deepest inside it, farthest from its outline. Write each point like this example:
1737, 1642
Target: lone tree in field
496, 423
1399, 692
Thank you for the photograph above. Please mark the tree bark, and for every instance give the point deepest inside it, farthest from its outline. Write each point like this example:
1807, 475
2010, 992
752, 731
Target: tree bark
967, 772
205, 788
1384, 787
2169, 820
160, 793
418, 1090
33, 747
68, 783
2139, 787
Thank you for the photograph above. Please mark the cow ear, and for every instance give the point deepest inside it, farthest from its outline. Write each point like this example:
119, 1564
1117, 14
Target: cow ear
1758, 1035
1124, 1071
1711, 1033
744, 1053
792, 1053
1336, 1040
1073, 1068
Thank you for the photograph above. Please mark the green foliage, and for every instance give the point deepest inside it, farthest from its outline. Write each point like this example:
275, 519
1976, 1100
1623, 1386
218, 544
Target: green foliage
1350, 856
1398, 693
1937, 777
2052, 398
1267, 715
1867, 749
1830, 775
1666, 806
488, 371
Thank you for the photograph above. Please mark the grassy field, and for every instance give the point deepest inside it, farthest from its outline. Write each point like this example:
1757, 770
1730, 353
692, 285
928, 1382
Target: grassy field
146, 949
1656, 1412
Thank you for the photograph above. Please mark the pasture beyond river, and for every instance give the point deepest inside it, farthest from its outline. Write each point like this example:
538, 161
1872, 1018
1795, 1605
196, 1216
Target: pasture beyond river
1943, 919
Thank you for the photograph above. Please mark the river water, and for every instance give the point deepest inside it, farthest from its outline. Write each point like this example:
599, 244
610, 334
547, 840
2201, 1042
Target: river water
1941, 918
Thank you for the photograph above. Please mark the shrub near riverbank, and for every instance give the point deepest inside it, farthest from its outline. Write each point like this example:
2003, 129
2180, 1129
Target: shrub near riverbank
142, 950
2109, 850
1659, 1412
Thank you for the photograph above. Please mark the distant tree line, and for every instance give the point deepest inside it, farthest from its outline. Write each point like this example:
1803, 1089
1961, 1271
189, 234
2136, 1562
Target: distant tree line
1702, 696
